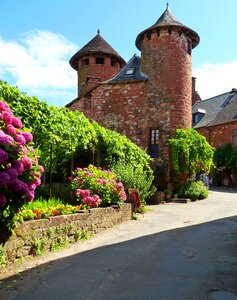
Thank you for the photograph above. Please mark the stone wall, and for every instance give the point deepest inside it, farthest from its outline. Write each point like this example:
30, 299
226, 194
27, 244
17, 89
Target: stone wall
218, 135
33, 237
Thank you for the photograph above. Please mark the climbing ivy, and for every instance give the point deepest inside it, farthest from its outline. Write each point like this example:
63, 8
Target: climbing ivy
190, 152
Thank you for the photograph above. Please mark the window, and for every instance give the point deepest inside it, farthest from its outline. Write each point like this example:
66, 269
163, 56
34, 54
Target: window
234, 137
99, 60
154, 143
130, 71
85, 62
154, 136
113, 62
196, 118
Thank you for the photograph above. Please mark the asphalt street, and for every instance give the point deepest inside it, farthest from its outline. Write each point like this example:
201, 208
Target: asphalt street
174, 252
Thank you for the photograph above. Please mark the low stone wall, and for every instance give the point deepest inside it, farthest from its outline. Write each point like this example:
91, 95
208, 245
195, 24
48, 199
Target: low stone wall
39, 236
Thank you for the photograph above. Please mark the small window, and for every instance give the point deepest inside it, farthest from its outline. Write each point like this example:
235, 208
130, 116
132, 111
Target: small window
170, 31
114, 62
99, 60
130, 71
234, 137
196, 118
85, 62
154, 136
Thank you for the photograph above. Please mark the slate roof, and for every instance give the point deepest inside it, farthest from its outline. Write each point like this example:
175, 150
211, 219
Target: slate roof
131, 72
167, 19
219, 110
95, 46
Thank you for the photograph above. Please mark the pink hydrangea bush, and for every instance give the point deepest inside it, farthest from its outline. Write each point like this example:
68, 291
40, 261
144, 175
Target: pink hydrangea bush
94, 186
20, 172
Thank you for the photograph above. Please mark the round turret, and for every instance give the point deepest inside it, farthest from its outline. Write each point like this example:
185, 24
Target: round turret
97, 61
166, 58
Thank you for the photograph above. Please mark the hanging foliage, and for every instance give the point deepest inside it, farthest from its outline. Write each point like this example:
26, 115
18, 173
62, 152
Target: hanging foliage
191, 153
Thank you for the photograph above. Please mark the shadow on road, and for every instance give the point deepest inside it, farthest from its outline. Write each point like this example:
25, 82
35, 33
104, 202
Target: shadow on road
224, 190
184, 263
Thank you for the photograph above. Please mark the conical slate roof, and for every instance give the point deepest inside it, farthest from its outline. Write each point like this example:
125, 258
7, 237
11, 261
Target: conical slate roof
95, 46
167, 19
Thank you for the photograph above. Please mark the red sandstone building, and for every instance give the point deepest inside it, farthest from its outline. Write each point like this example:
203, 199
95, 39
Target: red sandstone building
146, 99
216, 119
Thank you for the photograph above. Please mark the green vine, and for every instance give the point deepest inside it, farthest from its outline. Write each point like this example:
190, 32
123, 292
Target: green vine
191, 153
59, 133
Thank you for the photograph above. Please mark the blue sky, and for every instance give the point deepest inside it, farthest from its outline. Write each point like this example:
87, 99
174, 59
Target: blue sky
37, 39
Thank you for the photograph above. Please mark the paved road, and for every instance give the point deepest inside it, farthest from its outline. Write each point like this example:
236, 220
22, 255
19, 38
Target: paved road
176, 252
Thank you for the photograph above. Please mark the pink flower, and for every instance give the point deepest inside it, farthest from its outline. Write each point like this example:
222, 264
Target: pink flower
32, 186
119, 185
102, 181
24, 150
83, 193
7, 117
37, 182
26, 161
89, 174
41, 169
18, 166
11, 129
2, 133
30, 196
28, 136
79, 180
3, 156
3, 106
16, 122
3, 200
6, 140
20, 139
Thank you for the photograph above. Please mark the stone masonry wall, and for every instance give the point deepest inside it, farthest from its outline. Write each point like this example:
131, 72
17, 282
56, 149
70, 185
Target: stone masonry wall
218, 135
63, 229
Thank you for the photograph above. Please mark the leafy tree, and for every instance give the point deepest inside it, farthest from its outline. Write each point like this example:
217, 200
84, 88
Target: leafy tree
191, 153
226, 156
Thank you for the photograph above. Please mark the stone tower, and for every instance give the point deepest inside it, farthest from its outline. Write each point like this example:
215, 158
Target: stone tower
166, 57
97, 61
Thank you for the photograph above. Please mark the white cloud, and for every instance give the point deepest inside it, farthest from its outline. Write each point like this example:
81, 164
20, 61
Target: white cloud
38, 61
215, 79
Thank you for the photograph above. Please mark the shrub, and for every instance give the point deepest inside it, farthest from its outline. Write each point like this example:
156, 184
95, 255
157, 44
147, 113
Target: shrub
93, 186
19, 170
135, 177
193, 190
